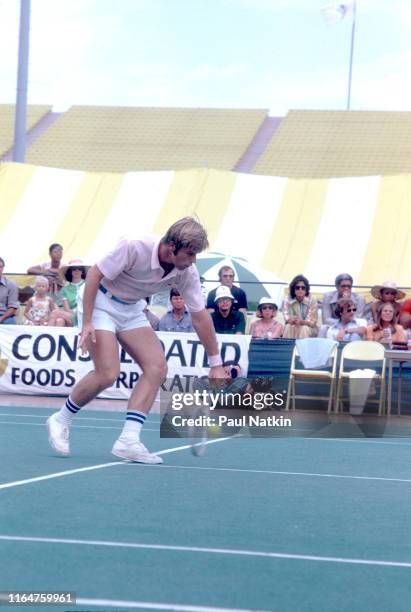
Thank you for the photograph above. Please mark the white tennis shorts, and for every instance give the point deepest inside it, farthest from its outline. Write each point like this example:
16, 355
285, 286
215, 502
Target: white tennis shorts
109, 315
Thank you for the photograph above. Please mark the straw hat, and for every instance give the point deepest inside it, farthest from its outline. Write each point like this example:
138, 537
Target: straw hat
74, 263
377, 289
223, 292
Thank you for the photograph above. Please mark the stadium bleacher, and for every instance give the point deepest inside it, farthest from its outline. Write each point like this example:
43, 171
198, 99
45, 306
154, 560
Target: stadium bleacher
123, 139
325, 144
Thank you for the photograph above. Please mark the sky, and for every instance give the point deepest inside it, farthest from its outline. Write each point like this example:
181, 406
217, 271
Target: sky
270, 54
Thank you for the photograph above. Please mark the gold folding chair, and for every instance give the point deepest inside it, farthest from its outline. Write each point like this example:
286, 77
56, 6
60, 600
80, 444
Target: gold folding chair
362, 351
312, 376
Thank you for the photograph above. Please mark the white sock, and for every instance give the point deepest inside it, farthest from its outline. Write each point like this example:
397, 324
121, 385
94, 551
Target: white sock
67, 412
132, 426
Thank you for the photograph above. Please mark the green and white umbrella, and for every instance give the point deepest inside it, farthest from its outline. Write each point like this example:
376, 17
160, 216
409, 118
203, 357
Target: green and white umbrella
255, 281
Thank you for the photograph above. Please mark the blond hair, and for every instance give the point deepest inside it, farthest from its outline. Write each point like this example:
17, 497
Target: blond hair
187, 233
41, 279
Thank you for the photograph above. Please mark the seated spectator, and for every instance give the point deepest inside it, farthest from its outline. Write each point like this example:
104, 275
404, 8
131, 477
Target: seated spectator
386, 329
74, 273
51, 269
152, 318
225, 319
226, 276
300, 310
343, 285
405, 315
266, 327
39, 307
9, 298
387, 293
348, 326
177, 319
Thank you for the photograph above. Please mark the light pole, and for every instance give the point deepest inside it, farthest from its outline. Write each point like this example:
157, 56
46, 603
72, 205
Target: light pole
354, 8
19, 149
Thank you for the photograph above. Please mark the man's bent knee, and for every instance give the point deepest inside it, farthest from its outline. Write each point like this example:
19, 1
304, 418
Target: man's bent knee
107, 378
157, 371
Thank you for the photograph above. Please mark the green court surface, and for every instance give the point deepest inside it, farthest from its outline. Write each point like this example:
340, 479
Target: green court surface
286, 525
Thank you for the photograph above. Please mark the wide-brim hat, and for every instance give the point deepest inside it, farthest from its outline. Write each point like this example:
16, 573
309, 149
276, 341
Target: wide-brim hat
223, 292
377, 289
266, 301
74, 263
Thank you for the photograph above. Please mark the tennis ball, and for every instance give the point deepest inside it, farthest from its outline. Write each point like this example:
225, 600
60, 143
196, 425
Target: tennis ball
213, 430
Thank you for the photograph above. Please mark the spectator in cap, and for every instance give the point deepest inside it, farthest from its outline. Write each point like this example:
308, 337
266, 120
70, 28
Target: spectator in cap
9, 298
225, 319
177, 319
266, 326
300, 310
386, 293
226, 276
343, 286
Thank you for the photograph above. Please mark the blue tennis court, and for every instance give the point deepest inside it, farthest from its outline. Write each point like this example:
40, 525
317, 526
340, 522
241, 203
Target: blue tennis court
286, 525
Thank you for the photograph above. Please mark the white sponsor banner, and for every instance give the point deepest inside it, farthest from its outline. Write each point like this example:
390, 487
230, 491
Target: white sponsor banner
45, 361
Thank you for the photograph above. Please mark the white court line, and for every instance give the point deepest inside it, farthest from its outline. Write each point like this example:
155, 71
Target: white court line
121, 421
147, 605
205, 550
41, 416
280, 473
71, 426
17, 483
361, 441
80, 417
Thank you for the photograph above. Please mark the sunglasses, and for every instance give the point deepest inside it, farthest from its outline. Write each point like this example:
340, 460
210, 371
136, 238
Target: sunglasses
267, 307
303, 287
345, 286
228, 275
351, 310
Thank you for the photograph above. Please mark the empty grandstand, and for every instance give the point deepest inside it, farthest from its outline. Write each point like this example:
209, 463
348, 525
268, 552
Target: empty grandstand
324, 144
123, 139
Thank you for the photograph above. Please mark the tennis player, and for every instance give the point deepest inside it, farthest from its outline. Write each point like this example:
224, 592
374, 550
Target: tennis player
110, 313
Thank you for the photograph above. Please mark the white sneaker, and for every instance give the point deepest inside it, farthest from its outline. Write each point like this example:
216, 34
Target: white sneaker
58, 435
132, 450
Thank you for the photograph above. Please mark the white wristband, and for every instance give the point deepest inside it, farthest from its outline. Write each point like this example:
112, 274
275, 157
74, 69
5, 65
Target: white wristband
215, 360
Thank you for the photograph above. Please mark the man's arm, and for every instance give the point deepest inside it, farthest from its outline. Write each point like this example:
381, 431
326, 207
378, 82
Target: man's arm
35, 270
10, 312
203, 325
93, 279
12, 302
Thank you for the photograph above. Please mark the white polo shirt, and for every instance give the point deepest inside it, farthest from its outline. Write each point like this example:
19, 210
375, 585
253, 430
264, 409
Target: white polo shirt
132, 271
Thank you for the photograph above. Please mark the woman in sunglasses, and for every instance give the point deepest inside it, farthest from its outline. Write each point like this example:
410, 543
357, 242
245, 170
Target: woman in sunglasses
348, 327
300, 310
386, 330
266, 326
